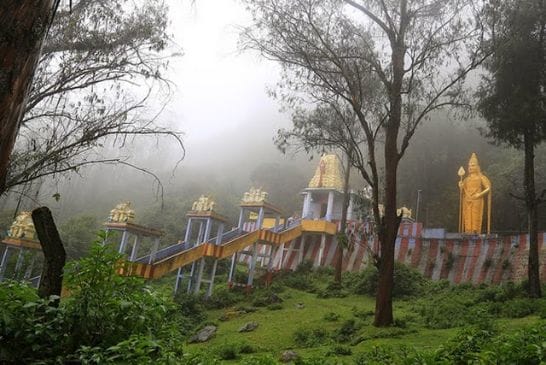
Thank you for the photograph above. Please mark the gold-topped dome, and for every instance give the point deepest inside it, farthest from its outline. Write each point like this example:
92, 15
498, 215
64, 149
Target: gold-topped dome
254, 196
203, 204
328, 174
122, 213
22, 227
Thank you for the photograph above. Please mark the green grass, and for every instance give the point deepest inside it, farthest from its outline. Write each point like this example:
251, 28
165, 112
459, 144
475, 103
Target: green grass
277, 327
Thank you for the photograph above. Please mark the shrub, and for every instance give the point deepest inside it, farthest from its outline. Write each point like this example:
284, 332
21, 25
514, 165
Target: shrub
340, 350
223, 298
407, 281
347, 330
226, 351
310, 337
331, 317
106, 316
462, 348
274, 306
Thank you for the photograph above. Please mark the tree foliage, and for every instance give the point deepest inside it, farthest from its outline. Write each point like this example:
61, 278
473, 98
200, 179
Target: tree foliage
363, 75
513, 98
95, 81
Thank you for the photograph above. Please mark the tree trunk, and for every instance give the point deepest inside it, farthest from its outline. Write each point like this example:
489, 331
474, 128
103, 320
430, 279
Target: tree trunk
54, 253
389, 229
23, 27
343, 223
532, 217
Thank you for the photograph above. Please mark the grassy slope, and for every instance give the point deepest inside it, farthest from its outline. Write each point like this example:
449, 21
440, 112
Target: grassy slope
276, 327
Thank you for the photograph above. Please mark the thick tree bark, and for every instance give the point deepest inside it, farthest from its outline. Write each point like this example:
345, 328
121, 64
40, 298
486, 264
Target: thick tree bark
23, 27
343, 223
532, 217
54, 253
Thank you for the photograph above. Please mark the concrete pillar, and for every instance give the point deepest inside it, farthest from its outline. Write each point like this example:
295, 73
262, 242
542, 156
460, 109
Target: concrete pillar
30, 267
252, 265
302, 247
277, 222
321, 249
134, 251
123, 243
305, 213
330, 206
260, 220
19, 263
219, 234
155, 248
200, 234
232, 268
191, 277
208, 228
350, 207
241, 218
212, 274
281, 258
179, 277
188, 232
199, 275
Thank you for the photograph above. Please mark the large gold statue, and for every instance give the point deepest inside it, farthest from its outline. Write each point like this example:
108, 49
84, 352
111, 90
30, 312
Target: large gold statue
473, 189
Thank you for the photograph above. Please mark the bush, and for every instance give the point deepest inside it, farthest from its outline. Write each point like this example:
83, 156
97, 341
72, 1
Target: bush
347, 330
274, 306
407, 281
106, 316
462, 348
339, 350
306, 337
226, 351
223, 298
331, 317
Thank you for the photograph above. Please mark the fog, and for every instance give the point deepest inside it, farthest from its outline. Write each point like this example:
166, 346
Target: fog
218, 99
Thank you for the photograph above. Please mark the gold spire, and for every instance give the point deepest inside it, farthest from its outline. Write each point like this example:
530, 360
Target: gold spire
122, 213
22, 227
204, 203
254, 196
328, 174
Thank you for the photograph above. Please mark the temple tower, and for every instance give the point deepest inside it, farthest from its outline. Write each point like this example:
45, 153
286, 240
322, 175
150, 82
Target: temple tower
121, 220
323, 198
202, 220
254, 203
21, 241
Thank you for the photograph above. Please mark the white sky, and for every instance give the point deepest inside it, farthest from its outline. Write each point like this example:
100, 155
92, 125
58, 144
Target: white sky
220, 99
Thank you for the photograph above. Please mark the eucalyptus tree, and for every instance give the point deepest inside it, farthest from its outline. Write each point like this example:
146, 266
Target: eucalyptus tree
390, 62
513, 98
96, 74
24, 26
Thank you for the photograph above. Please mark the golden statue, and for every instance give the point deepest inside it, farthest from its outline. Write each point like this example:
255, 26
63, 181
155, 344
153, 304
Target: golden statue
22, 227
122, 213
405, 212
473, 189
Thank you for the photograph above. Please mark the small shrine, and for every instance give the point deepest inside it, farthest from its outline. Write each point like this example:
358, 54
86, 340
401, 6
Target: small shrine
121, 219
22, 240
323, 198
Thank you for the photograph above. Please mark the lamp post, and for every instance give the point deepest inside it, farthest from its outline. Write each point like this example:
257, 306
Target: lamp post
417, 209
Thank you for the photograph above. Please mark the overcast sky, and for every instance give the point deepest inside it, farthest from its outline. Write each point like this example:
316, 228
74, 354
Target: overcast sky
220, 99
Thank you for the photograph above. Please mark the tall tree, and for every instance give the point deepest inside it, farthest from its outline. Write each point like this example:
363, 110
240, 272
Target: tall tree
24, 25
390, 62
513, 97
98, 68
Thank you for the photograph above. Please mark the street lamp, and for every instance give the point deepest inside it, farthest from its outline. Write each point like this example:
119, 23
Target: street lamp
417, 209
